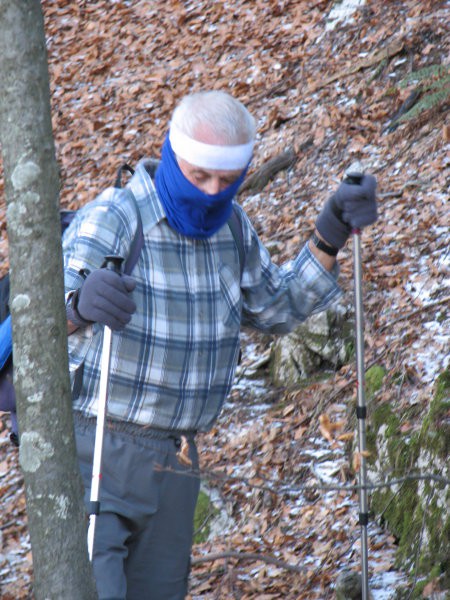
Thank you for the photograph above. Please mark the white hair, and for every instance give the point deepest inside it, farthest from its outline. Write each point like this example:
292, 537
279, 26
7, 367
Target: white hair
224, 115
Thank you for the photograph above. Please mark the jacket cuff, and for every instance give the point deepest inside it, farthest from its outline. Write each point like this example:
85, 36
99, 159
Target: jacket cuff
72, 313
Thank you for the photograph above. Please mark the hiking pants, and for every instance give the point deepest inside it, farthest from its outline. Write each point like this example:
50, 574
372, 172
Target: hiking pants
143, 534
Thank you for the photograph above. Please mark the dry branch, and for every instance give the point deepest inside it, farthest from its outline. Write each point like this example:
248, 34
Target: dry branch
415, 312
249, 556
258, 180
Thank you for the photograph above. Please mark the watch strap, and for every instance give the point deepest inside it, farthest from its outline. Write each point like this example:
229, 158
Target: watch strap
321, 245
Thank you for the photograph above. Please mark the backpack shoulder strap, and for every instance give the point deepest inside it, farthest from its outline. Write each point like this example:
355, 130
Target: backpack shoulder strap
234, 223
4, 297
138, 240
133, 257
120, 170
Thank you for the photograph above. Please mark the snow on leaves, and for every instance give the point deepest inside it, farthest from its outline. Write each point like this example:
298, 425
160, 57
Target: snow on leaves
117, 69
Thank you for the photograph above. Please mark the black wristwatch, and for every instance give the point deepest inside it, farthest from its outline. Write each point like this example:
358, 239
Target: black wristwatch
321, 245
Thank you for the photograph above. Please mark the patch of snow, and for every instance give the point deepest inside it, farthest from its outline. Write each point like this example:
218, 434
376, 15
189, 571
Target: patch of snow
326, 472
382, 583
342, 12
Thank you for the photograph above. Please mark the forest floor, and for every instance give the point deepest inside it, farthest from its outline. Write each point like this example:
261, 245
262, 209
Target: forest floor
330, 91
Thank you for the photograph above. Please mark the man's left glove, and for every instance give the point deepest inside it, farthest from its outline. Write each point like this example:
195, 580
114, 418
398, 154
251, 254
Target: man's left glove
352, 206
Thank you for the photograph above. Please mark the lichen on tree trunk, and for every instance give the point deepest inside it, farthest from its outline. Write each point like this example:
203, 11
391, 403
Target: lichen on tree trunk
47, 448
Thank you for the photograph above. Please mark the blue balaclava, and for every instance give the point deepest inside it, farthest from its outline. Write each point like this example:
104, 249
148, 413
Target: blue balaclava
190, 211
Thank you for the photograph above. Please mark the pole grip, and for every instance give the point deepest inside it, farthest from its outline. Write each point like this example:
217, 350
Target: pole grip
354, 174
113, 263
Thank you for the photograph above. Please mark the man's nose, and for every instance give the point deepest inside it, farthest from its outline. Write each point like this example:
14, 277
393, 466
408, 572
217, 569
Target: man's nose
212, 186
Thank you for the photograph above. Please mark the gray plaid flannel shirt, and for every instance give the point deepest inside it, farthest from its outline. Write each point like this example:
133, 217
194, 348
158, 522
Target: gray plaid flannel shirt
173, 365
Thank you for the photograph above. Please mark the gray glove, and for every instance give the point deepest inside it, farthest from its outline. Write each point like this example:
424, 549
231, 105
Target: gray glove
104, 297
352, 206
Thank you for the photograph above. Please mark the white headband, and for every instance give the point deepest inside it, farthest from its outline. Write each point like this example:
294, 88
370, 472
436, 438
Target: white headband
208, 156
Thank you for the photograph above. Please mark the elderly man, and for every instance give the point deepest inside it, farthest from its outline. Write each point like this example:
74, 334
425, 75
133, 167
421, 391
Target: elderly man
176, 320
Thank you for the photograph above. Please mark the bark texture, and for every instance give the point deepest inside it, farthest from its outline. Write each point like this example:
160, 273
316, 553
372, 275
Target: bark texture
53, 485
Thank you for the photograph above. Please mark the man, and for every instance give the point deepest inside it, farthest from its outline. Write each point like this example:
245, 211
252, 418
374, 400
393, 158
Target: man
176, 322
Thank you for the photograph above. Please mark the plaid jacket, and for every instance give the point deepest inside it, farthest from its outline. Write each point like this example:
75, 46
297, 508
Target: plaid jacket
173, 365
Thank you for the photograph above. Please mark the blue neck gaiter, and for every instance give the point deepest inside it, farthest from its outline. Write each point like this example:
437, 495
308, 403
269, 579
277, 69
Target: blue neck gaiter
190, 211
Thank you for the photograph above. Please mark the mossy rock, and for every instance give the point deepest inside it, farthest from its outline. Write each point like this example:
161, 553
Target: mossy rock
416, 512
436, 425
316, 347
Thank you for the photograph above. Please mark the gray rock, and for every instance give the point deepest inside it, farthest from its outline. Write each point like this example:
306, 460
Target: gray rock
349, 587
322, 342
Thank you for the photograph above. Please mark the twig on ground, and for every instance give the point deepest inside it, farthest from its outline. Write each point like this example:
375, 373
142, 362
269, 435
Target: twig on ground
249, 556
414, 312
386, 52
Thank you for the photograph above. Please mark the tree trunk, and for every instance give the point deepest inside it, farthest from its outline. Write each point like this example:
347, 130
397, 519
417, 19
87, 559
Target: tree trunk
53, 487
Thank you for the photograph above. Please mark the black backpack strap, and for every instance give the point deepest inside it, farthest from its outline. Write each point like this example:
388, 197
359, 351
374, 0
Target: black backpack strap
120, 170
77, 381
234, 223
138, 241
133, 257
4, 297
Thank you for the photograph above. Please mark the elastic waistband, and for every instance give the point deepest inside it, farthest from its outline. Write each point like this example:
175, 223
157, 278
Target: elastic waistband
133, 429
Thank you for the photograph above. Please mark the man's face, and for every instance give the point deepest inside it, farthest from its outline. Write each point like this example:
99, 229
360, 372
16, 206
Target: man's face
209, 181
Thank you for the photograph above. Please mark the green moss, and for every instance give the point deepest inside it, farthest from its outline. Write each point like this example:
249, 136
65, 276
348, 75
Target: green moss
374, 379
404, 515
391, 91
416, 512
442, 393
417, 592
350, 351
371, 444
436, 558
384, 415
398, 511
204, 512
435, 431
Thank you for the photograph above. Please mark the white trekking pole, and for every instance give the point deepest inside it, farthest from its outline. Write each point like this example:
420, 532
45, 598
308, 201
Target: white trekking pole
354, 175
114, 263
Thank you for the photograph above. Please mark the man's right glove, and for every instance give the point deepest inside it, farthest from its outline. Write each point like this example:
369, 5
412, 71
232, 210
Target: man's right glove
104, 297
352, 206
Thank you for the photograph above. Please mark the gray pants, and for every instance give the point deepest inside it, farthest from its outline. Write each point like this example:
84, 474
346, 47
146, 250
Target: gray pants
143, 534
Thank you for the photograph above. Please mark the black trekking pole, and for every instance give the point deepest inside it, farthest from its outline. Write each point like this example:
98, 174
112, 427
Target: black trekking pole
114, 263
354, 176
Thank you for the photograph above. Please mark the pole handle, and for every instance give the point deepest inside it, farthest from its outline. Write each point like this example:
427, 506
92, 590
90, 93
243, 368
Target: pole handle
113, 263
353, 176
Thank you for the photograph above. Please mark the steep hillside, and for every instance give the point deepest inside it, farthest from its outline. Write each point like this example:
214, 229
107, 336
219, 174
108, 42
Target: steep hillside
331, 91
